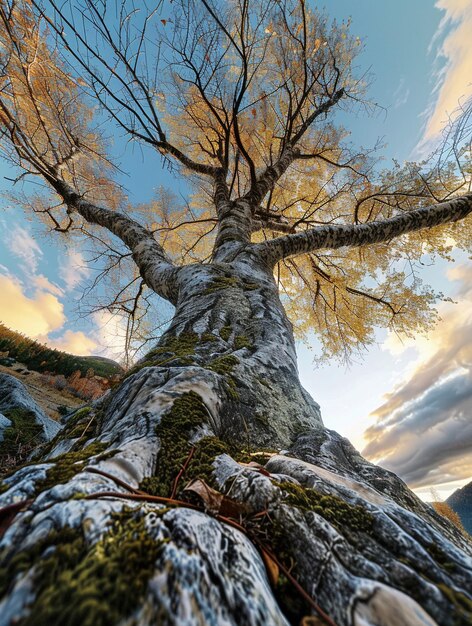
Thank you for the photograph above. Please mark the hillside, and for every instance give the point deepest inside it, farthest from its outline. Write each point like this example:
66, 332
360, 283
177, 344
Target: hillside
40, 358
461, 502
56, 380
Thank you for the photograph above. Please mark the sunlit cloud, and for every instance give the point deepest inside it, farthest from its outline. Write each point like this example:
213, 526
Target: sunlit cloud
34, 316
41, 314
74, 342
73, 269
454, 78
42, 283
423, 430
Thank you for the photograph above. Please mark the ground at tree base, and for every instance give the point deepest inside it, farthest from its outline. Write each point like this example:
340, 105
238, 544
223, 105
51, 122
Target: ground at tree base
353, 537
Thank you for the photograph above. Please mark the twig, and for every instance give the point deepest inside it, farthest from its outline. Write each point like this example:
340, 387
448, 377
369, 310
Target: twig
118, 481
86, 428
182, 470
135, 494
234, 524
141, 497
297, 586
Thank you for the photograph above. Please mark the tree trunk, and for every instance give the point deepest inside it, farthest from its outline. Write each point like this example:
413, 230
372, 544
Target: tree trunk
103, 528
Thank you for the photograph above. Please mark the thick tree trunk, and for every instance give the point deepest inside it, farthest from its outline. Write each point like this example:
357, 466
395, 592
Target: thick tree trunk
103, 529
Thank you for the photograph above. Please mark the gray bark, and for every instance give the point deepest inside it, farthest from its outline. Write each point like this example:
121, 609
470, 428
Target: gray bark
341, 235
82, 546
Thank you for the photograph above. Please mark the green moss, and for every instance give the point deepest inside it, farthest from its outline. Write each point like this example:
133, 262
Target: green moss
262, 418
223, 365
221, 282
200, 466
174, 431
179, 348
79, 585
174, 347
462, 605
249, 285
78, 425
83, 425
208, 338
241, 341
69, 464
264, 382
226, 282
335, 510
225, 333
19, 439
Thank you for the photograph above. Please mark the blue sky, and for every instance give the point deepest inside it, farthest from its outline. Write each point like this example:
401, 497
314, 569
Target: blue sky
417, 55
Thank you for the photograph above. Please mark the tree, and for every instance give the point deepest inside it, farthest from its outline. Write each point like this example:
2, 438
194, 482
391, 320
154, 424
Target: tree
238, 98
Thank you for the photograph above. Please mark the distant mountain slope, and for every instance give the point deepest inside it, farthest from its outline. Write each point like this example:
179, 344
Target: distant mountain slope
461, 502
40, 358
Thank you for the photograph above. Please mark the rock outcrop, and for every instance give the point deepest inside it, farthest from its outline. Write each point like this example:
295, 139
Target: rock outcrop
15, 396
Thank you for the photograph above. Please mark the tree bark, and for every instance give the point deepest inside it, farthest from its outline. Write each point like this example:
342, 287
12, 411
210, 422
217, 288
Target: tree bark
102, 528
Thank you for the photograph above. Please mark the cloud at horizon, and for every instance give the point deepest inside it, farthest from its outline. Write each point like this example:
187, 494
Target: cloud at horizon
74, 342
423, 430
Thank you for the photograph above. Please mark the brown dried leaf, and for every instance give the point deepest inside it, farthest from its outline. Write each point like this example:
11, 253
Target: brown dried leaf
272, 568
256, 466
312, 620
8, 514
213, 501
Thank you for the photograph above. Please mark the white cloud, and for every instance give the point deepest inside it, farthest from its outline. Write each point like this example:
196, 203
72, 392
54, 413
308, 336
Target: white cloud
110, 334
21, 243
36, 316
454, 79
73, 270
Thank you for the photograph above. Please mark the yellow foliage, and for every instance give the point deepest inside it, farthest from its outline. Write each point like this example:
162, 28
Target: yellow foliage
446, 511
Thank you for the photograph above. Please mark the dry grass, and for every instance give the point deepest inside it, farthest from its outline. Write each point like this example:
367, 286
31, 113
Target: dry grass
46, 396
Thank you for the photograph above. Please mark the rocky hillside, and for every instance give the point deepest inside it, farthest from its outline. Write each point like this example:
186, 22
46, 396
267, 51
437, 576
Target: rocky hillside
23, 424
461, 502
40, 358
58, 381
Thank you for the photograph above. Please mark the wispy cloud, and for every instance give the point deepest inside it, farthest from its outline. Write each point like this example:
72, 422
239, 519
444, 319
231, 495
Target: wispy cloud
73, 270
401, 94
20, 242
43, 284
423, 430
454, 74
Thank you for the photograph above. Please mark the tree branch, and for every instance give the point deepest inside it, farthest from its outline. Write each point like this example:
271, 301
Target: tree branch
266, 181
352, 235
155, 267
